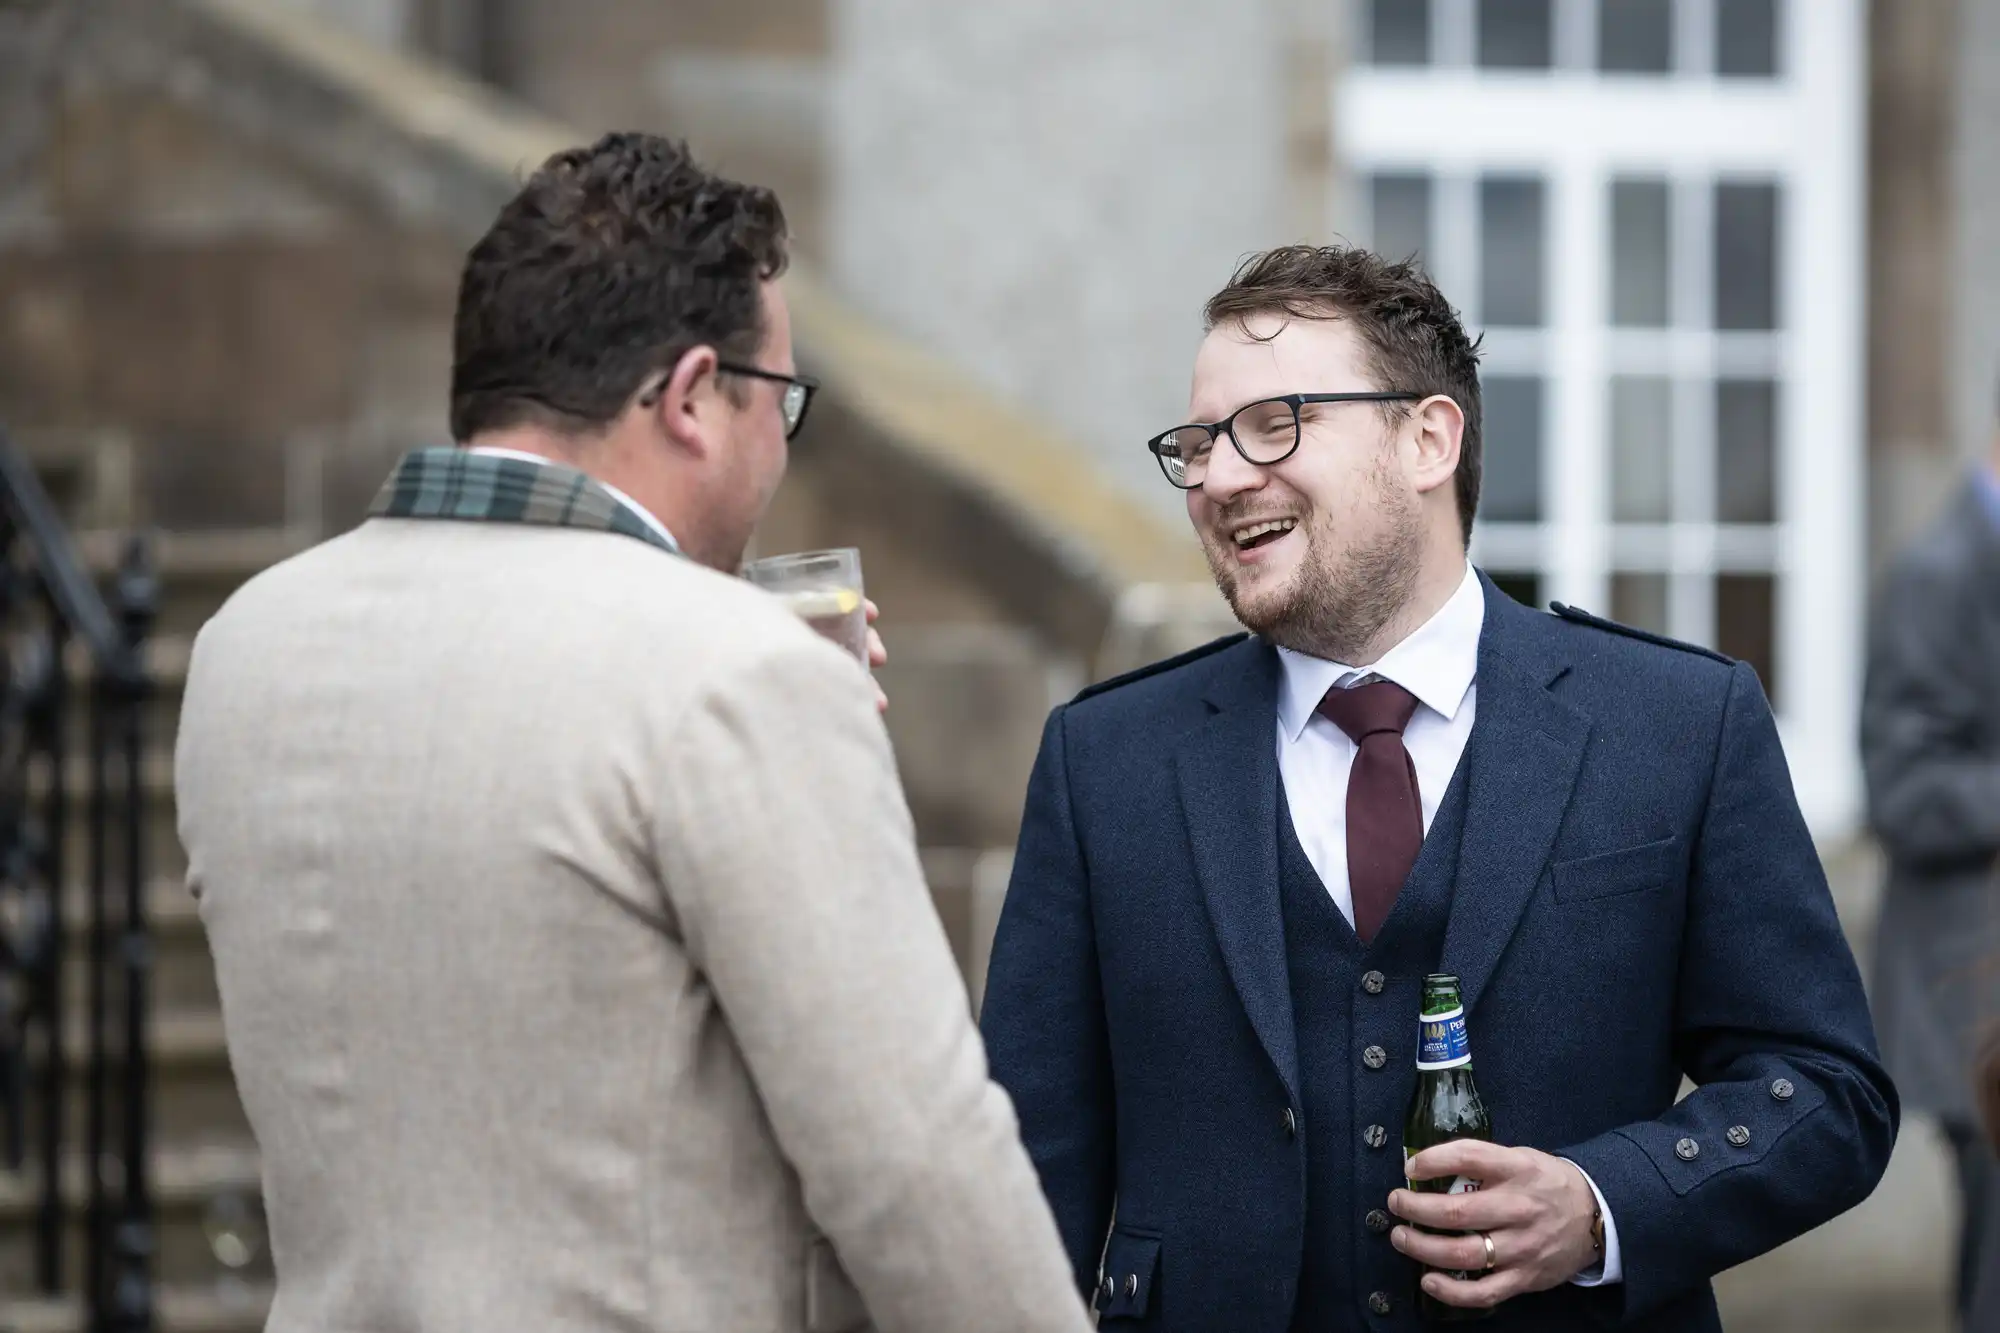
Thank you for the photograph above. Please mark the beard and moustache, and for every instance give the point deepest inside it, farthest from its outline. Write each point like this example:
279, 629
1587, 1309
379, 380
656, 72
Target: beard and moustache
1332, 611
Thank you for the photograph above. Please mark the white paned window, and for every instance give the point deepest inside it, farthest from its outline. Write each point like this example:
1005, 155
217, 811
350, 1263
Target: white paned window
1652, 211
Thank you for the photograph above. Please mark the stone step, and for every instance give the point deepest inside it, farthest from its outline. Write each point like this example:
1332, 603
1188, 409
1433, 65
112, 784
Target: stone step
68, 464
183, 974
966, 708
194, 1190
166, 660
227, 1306
166, 667
163, 856
192, 1090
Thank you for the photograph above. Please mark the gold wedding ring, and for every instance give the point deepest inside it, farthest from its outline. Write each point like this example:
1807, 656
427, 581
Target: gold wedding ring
1489, 1250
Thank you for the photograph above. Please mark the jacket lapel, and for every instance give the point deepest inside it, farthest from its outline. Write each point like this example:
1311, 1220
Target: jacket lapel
1523, 757
1228, 772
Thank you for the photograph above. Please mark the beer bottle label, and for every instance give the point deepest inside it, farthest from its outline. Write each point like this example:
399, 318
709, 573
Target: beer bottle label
1443, 1043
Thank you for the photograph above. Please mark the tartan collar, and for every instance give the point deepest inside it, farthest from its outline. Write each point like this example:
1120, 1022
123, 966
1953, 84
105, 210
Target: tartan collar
456, 484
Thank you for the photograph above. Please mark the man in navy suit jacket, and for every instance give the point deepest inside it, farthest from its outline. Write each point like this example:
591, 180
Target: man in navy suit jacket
1233, 877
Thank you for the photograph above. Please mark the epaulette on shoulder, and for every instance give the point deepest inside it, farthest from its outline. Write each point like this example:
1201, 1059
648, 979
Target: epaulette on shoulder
1155, 668
1599, 622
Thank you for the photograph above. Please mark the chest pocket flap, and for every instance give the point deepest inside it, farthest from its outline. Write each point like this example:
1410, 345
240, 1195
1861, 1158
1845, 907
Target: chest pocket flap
1627, 870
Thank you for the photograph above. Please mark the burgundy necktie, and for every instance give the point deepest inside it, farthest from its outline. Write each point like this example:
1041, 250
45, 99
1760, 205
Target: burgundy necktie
1385, 817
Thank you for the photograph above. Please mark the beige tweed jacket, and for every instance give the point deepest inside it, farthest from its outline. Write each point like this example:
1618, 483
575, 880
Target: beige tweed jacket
576, 965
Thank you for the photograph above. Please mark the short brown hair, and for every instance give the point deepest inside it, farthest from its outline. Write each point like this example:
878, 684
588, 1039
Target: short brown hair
612, 262
1413, 338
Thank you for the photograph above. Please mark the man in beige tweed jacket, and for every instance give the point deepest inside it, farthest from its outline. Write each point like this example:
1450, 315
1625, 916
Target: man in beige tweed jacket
576, 964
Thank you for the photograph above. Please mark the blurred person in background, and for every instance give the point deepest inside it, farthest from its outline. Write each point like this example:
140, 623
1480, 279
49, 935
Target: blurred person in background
1930, 744
576, 964
1237, 867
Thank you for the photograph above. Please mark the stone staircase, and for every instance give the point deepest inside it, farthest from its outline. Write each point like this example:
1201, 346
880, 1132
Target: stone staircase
966, 717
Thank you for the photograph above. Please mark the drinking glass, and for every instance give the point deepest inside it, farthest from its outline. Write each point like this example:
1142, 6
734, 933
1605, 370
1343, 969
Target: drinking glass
823, 588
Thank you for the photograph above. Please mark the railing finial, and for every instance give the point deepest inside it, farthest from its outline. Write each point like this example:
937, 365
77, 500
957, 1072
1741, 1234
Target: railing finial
135, 598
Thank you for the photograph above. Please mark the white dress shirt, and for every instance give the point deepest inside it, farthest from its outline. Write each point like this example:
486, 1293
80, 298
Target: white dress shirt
1439, 664
644, 514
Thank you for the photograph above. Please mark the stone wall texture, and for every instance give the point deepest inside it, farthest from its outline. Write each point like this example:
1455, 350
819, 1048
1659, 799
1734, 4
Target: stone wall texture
1047, 190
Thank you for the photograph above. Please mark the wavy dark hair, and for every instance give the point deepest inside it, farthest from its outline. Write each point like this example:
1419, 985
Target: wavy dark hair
1414, 339
610, 264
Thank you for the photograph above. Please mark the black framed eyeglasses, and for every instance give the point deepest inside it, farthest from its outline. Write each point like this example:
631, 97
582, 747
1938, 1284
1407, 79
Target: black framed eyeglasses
797, 395
1264, 432
792, 402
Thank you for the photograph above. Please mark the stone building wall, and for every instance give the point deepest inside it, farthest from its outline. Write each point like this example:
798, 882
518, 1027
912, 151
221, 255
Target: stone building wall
228, 342
744, 81
1047, 191
1974, 250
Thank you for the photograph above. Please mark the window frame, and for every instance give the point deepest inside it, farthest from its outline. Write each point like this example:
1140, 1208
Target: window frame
1803, 129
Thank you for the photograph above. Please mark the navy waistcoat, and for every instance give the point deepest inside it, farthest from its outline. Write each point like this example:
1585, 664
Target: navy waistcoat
1357, 1033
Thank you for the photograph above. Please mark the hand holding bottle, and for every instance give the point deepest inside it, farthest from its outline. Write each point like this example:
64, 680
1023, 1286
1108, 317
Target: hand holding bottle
1535, 1209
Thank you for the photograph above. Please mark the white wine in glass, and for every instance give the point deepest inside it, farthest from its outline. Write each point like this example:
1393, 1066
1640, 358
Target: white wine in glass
822, 588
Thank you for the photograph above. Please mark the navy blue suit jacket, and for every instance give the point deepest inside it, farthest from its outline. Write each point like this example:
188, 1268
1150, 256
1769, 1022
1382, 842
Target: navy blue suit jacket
1637, 899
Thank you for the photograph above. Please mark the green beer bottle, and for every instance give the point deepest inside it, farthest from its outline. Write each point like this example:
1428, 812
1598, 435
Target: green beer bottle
1445, 1106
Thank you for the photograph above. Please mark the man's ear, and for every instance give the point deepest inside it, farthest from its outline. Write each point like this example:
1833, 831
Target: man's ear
686, 400
1437, 428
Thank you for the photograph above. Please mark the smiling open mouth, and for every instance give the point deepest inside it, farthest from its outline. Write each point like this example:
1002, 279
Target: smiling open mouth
1257, 535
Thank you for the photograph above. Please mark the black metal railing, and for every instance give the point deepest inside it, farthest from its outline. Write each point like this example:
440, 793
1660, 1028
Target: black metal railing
66, 649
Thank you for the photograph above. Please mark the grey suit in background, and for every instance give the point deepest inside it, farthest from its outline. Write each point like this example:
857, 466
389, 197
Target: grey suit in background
577, 968
1930, 737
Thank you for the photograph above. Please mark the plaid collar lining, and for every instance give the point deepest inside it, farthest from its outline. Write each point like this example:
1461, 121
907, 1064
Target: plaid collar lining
456, 484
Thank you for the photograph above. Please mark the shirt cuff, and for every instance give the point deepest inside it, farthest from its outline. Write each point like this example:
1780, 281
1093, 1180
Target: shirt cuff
1611, 1267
